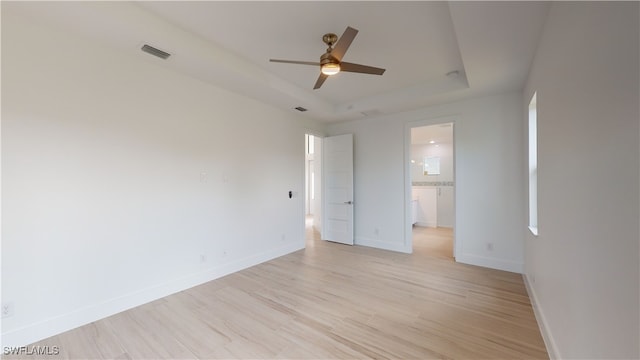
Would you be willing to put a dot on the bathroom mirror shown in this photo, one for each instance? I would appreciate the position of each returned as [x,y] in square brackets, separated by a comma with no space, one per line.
[432,165]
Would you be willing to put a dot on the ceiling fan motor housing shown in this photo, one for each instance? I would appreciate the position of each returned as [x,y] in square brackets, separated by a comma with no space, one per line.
[330,39]
[326,58]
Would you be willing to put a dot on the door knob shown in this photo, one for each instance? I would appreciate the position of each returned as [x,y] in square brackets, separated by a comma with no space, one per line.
[348,202]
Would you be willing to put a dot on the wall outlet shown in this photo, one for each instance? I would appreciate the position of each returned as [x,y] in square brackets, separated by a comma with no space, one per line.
[376,232]
[203,258]
[204,177]
[490,246]
[7,309]
[283,237]
[224,253]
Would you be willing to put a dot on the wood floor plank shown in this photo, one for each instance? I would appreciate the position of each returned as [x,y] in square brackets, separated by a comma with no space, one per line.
[141,336]
[329,301]
[308,343]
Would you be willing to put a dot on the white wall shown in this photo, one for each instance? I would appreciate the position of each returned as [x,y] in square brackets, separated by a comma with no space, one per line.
[124,182]
[489,181]
[582,270]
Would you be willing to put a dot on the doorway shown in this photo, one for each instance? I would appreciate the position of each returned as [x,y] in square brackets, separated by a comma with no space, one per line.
[313,187]
[431,185]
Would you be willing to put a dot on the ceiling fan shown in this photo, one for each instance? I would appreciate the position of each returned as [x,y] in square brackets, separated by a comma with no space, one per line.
[331,61]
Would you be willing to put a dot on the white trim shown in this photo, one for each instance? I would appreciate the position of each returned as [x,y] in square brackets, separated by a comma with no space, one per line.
[534,230]
[431,224]
[492,263]
[362,241]
[532,150]
[549,343]
[59,324]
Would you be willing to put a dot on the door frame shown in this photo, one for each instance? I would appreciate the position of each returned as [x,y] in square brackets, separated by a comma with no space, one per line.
[408,233]
[318,180]
[307,175]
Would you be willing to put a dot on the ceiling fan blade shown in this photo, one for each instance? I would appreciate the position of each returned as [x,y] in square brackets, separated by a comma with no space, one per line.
[320,81]
[296,62]
[343,43]
[358,68]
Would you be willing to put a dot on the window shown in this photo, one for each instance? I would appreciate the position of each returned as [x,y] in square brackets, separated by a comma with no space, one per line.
[533,165]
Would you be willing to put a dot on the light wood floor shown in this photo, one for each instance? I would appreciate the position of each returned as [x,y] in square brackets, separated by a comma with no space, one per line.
[328,301]
[433,242]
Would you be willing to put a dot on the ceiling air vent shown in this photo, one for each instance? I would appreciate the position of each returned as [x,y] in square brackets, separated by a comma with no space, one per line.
[155,52]
[300,108]
[373,112]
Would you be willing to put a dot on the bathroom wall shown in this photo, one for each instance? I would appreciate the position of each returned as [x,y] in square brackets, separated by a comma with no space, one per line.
[420,151]
[442,183]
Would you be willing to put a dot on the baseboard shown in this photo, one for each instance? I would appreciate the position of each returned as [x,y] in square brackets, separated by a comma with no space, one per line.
[549,343]
[427,224]
[492,263]
[59,324]
[399,247]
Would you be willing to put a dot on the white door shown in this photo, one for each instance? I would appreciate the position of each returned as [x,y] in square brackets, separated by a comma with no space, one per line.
[337,156]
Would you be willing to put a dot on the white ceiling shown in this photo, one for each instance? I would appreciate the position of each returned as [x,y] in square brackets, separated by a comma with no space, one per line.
[439,134]
[490,44]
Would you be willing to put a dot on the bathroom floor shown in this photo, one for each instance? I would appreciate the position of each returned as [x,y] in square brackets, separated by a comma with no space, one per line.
[433,242]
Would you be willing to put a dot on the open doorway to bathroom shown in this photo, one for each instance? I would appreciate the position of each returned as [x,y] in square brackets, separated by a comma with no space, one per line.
[432,190]
[313,188]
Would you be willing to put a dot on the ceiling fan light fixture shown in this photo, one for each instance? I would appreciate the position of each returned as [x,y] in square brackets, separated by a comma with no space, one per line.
[331,61]
[330,69]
